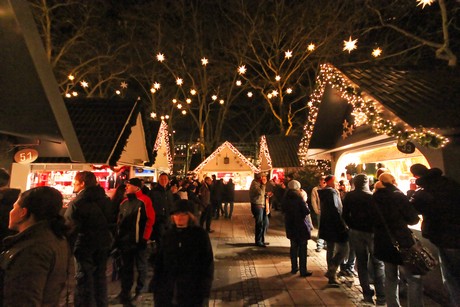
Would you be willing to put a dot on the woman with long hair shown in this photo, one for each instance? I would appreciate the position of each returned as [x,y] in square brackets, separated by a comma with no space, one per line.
[35,262]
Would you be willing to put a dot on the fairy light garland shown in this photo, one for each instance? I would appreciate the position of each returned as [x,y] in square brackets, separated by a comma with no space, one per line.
[264,151]
[364,112]
[163,137]
[219,150]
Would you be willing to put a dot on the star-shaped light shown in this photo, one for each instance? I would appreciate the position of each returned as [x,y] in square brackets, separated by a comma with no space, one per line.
[152,90]
[376,52]
[193,92]
[349,45]
[153,115]
[75,94]
[311,47]
[275,93]
[269,96]
[238,82]
[278,77]
[68,95]
[214,97]
[249,94]
[350,130]
[71,77]
[289,90]
[204,61]
[156,85]
[288,54]
[344,135]
[188,100]
[242,69]
[118,92]
[84,83]
[179,106]
[184,112]
[179,81]
[174,100]
[124,84]
[424,2]
[345,124]
[160,57]
[221,101]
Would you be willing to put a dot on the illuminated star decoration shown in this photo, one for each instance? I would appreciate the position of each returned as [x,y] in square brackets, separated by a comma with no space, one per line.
[179,81]
[424,2]
[349,45]
[347,129]
[288,54]
[153,115]
[289,90]
[156,85]
[71,77]
[204,61]
[160,57]
[84,83]
[124,85]
[242,70]
[311,47]
[249,94]
[277,78]
[376,52]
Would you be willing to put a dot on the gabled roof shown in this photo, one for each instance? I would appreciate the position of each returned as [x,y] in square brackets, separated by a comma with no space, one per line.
[279,151]
[103,126]
[236,162]
[161,147]
[430,98]
[32,107]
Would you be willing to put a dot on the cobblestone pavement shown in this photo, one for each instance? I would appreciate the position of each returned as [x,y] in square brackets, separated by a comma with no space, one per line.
[246,275]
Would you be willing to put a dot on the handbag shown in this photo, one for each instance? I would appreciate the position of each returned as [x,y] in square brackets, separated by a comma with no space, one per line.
[417,258]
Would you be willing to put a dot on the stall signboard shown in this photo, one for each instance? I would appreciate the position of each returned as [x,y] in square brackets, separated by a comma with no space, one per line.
[25,156]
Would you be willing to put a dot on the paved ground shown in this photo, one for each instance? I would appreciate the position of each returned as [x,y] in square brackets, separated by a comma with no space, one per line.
[246,275]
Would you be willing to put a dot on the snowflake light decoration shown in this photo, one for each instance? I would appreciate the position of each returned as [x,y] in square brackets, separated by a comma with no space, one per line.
[424,2]
[160,57]
[288,54]
[349,45]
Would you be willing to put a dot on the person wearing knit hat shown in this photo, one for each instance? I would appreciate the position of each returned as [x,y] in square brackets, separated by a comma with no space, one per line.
[358,214]
[332,229]
[184,265]
[298,227]
[135,181]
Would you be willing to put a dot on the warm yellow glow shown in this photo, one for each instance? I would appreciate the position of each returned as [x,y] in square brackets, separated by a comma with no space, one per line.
[269,96]
[179,106]
[221,101]
[278,77]
[424,2]
[184,112]
[152,90]
[156,85]
[162,117]
[289,90]
[376,52]
[75,94]
[153,115]
[193,92]
[68,95]
[249,94]
[71,77]
[124,84]
[188,100]
[204,61]
[167,116]
[349,45]
[84,83]
[242,70]
[179,81]
[174,100]
[288,54]
[238,82]
[311,47]
[214,97]
[160,57]
[117,92]
[275,93]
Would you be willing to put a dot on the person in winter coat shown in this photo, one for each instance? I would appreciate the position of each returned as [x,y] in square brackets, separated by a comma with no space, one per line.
[8,197]
[35,264]
[358,214]
[206,205]
[392,207]
[259,208]
[135,221]
[184,267]
[89,215]
[438,200]
[298,228]
[332,228]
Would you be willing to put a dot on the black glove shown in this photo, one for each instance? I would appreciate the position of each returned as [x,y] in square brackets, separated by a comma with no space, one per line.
[142,244]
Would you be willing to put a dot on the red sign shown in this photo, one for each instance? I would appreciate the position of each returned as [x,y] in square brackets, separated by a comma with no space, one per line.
[25,156]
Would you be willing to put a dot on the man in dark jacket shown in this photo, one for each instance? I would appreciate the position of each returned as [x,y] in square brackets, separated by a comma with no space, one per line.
[162,200]
[358,214]
[332,228]
[134,230]
[88,215]
[438,200]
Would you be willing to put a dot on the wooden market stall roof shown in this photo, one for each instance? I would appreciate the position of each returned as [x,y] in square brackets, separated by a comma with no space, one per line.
[225,158]
[278,151]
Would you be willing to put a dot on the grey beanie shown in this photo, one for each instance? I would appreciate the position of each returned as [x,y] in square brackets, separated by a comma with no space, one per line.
[294,185]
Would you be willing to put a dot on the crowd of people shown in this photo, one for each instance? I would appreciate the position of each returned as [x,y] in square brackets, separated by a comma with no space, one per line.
[167,226]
